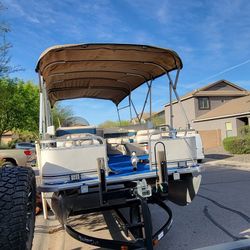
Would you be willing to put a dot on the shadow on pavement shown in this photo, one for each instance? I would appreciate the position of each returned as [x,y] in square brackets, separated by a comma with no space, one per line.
[217,156]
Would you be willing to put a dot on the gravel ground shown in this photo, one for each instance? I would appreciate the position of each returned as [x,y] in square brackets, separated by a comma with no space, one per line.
[241,158]
[220,154]
[217,150]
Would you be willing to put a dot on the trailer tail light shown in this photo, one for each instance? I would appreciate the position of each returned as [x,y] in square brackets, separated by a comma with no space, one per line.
[155,242]
[124,247]
[27,152]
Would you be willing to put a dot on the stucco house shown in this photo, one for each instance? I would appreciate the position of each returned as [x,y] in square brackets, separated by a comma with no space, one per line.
[216,111]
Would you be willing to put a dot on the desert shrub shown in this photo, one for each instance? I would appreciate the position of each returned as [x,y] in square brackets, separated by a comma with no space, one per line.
[245,130]
[237,144]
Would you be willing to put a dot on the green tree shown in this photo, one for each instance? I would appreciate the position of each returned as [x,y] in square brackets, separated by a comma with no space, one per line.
[60,113]
[27,98]
[8,116]
[18,106]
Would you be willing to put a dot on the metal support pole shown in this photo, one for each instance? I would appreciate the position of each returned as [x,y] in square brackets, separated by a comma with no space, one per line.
[41,106]
[50,114]
[171,106]
[137,115]
[118,113]
[146,99]
[123,107]
[42,134]
[43,119]
[178,99]
[130,110]
[174,89]
[176,78]
[46,108]
[40,81]
[42,111]
[150,101]
[40,115]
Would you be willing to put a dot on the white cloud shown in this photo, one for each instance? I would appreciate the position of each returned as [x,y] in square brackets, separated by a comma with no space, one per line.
[33,12]
[16,8]
[162,13]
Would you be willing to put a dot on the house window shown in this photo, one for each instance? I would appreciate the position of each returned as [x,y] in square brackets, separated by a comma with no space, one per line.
[229,129]
[204,103]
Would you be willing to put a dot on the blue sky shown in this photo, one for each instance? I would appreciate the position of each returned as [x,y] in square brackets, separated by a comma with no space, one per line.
[210,37]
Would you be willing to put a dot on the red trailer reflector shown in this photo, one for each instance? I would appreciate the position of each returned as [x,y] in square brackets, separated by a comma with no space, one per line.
[124,247]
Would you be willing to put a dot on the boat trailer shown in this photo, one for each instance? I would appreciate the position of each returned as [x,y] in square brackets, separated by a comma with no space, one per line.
[80,170]
[135,197]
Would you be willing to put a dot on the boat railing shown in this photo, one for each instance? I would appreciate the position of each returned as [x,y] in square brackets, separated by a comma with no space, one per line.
[71,140]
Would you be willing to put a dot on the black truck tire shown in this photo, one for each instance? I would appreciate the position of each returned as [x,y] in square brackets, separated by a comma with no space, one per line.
[17,207]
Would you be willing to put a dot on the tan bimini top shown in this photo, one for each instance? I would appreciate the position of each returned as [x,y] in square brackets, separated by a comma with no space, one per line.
[102,71]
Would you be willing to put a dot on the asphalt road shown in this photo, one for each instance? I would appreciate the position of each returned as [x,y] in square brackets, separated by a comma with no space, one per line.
[220,213]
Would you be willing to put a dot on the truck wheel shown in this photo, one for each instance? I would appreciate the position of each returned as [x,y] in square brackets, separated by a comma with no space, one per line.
[17,207]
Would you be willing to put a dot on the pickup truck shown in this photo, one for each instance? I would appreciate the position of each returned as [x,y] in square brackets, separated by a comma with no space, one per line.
[17,157]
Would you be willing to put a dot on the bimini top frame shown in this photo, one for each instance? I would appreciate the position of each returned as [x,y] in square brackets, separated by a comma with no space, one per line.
[102,71]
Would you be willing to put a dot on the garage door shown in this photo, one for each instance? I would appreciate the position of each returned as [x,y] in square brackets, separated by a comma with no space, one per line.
[210,138]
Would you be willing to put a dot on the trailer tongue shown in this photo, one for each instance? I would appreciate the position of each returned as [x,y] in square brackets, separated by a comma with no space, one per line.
[82,173]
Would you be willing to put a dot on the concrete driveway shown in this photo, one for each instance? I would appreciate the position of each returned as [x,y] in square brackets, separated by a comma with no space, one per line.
[220,213]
